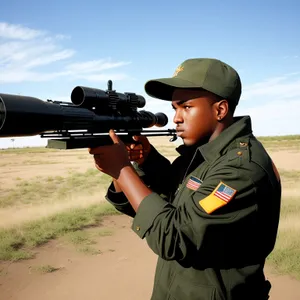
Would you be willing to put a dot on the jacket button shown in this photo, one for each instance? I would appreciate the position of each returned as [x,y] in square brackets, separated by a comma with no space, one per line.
[240,153]
[242,144]
[138,228]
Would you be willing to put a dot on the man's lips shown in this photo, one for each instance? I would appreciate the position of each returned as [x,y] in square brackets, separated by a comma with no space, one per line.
[179,132]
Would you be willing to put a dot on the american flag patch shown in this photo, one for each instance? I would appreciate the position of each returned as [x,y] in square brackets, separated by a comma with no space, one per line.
[193,183]
[224,192]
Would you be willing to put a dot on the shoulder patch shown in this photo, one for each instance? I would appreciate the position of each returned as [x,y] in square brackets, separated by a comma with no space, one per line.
[194,183]
[220,196]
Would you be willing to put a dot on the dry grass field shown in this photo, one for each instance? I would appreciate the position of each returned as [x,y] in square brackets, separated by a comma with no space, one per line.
[52,196]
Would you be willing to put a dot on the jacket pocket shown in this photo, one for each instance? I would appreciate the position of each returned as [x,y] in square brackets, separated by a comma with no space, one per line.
[182,289]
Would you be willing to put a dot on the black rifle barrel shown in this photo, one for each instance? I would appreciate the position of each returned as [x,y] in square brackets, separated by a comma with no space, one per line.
[27,116]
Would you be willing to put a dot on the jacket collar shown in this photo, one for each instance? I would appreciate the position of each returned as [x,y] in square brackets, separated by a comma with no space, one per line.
[210,151]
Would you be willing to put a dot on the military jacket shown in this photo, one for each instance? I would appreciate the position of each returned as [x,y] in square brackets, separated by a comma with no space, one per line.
[212,217]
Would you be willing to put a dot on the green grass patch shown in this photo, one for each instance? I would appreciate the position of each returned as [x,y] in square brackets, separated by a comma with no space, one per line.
[291,175]
[89,250]
[30,162]
[290,206]
[84,240]
[81,237]
[275,145]
[290,142]
[26,150]
[44,269]
[295,137]
[286,255]
[53,188]
[104,232]
[18,243]
[3,272]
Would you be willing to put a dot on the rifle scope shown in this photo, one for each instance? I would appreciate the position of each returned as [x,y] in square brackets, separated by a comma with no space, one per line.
[26,116]
[108,100]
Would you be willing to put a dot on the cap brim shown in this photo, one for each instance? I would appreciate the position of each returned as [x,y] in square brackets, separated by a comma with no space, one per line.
[163,88]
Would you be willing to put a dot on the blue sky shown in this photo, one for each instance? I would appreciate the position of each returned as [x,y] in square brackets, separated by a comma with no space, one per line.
[48,49]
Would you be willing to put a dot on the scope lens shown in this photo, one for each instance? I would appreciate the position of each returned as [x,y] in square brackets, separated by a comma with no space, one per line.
[2,113]
[141,101]
[77,95]
[162,119]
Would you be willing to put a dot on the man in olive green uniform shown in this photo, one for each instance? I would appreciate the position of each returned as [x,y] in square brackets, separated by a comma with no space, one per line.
[212,215]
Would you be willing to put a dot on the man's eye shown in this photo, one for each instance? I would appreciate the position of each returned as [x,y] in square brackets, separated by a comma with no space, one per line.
[187,107]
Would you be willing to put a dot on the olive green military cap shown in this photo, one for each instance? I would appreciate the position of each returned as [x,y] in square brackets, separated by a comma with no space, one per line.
[209,74]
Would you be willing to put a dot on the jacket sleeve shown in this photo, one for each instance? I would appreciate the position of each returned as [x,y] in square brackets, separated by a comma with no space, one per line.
[219,221]
[153,173]
[119,201]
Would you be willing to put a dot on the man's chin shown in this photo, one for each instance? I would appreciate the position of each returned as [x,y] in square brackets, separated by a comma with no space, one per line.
[187,142]
[193,143]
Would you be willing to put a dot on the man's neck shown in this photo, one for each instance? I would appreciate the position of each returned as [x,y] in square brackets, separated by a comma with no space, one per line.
[221,127]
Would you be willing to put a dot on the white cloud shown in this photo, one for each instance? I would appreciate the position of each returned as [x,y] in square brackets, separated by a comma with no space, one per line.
[279,117]
[25,55]
[291,57]
[273,105]
[16,31]
[287,86]
[94,70]
[49,58]
[62,37]
[94,66]
[103,77]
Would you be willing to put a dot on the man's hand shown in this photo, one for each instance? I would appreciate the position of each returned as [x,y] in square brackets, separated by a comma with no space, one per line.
[114,161]
[111,159]
[139,152]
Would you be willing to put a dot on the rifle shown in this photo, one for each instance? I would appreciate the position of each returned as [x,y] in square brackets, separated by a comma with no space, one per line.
[85,122]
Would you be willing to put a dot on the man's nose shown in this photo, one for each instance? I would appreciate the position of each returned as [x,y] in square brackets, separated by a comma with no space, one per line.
[178,117]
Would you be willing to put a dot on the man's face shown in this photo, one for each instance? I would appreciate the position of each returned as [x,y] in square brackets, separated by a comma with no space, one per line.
[195,115]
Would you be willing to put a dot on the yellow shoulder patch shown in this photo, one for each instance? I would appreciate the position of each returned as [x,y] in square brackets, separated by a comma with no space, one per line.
[220,196]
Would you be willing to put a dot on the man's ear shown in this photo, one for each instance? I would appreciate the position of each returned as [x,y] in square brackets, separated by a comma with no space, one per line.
[222,109]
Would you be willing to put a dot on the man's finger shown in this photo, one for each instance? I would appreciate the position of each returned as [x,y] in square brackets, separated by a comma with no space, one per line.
[114,137]
[100,149]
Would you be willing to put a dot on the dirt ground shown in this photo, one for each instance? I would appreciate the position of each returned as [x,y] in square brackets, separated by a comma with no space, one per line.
[124,270]
[125,267]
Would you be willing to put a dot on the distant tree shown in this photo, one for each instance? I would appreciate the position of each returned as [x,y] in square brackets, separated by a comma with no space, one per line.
[13,142]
